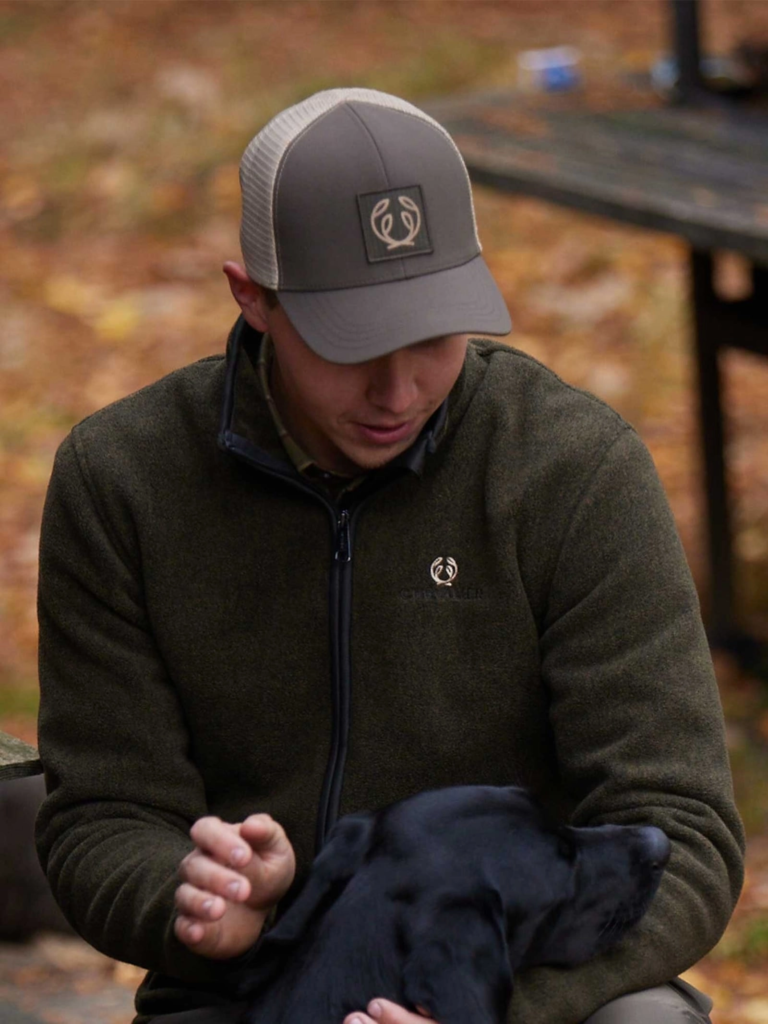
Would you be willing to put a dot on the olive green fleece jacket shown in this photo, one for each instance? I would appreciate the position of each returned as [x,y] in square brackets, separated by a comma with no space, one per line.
[216,638]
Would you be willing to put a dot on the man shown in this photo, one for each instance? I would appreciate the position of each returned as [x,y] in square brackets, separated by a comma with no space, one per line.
[413,560]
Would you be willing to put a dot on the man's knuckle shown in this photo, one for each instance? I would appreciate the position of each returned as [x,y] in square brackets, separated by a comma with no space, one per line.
[182,895]
[203,826]
[191,863]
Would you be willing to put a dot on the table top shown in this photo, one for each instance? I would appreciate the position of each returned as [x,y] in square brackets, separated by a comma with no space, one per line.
[17,758]
[698,173]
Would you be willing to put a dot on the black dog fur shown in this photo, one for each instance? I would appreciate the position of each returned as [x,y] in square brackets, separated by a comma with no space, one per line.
[437,900]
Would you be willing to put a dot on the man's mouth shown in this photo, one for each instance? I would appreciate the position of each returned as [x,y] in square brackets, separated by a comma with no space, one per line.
[385,434]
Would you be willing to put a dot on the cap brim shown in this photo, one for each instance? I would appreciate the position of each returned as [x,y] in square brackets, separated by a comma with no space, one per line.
[356,324]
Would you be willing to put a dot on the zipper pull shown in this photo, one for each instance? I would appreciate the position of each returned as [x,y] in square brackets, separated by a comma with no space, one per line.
[344,550]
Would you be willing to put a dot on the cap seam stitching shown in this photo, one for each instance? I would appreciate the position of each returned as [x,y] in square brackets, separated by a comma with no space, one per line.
[278,177]
[369,133]
[385,170]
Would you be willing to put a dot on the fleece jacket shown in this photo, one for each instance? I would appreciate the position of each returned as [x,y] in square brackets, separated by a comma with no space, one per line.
[507,603]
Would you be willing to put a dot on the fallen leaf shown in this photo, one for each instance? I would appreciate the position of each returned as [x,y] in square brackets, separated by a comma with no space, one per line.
[67,293]
[118,319]
[755,1011]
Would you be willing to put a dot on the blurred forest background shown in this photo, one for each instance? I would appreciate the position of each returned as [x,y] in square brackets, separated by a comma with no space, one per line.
[121,127]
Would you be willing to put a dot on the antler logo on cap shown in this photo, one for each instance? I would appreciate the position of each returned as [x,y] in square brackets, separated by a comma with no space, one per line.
[382,222]
[393,223]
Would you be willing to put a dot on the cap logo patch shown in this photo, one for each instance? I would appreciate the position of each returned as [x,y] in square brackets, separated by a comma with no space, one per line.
[393,223]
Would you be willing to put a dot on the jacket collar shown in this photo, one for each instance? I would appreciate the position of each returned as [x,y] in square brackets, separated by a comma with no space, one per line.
[247,428]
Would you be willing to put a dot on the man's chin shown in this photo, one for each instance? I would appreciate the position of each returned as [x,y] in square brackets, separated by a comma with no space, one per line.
[365,459]
[365,452]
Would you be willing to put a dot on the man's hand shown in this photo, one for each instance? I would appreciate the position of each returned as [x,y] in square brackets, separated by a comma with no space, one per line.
[382,1011]
[229,882]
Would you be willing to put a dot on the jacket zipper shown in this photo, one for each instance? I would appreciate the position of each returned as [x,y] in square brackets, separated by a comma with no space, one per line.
[340,608]
[340,630]
[344,548]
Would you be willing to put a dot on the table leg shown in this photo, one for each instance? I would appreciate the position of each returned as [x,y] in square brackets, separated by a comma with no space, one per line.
[708,325]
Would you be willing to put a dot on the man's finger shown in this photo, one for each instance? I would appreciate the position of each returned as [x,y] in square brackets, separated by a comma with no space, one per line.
[189,930]
[205,873]
[221,841]
[197,903]
[263,833]
[385,1012]
[382,1011]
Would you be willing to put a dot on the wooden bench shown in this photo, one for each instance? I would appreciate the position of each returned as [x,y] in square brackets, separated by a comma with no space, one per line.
[17,758]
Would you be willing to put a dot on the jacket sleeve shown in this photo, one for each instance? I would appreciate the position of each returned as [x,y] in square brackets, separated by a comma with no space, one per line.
[122,789]
[638,728]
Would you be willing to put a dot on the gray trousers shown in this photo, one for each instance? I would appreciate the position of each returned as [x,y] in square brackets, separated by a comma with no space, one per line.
[677,1002]
[674,1003]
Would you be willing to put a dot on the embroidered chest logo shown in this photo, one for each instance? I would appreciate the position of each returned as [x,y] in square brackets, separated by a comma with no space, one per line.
[394,223]
[444,575]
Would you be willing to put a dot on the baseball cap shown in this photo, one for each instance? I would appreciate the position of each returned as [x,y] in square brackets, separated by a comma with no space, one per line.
[357,211]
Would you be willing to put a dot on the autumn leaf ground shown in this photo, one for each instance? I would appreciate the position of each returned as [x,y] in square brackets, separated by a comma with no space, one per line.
[123,123]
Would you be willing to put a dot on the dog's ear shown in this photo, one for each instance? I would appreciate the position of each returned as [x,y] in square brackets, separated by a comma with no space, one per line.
[343,853]
[458,966]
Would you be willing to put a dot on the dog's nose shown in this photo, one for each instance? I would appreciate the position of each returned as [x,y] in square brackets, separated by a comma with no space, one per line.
[657,846]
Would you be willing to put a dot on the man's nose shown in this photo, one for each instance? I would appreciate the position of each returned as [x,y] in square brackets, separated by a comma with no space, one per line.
[392,383]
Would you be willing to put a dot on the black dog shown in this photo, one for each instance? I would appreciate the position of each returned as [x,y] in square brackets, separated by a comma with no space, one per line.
[435,901]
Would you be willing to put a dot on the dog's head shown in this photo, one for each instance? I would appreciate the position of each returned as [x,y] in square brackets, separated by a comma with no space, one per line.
[511,889]
[616,871]
[480,884]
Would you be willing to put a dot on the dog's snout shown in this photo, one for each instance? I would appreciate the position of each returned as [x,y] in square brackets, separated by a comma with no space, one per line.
[657,847]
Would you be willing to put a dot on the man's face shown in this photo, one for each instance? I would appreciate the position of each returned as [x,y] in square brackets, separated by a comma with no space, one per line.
[359,416]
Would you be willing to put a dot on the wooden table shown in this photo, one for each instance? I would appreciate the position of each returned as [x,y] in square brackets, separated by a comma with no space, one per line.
[699,173]
[17,758]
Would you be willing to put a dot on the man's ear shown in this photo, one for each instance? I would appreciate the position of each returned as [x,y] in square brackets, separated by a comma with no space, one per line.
[248,295]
